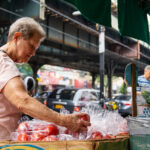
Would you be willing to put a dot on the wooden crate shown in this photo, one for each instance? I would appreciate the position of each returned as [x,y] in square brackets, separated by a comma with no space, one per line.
[113,144]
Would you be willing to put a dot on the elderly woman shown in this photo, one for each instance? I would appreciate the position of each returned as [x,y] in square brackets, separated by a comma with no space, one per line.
[25,36]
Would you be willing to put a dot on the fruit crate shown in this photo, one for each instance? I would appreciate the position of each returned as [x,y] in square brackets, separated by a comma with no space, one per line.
[140,142]
[139,133]
[114,144]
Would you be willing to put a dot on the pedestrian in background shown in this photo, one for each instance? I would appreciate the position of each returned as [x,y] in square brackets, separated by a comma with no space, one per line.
[144,80]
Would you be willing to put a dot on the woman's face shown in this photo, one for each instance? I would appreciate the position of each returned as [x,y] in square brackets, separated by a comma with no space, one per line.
[25,49]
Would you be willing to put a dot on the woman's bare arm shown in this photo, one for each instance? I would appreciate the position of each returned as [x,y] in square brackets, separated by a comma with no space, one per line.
[15,92]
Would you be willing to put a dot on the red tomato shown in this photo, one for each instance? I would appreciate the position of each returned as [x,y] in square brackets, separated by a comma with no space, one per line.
[67,131]
[74,134]
[107,136]
[37,136]
[23,127]
[125,133]
[96,135]
[39,127]
[23,137]
[52,129]
[85,117]
[50,138]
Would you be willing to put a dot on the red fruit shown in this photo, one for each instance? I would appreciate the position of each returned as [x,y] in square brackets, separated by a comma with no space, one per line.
[50,138]
[52,129]
[39,127]
[96,135]
[67,131]
[23,137]
[23,127]
[125,133]
[107,136]
[37,136]
[74,134]
[85,117]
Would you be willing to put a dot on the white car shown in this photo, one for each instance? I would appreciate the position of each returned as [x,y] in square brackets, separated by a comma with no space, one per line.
[72,99]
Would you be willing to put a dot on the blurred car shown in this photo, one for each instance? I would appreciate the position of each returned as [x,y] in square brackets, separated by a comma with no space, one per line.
[42,97]
[111,105]
[72,99]
[125,104]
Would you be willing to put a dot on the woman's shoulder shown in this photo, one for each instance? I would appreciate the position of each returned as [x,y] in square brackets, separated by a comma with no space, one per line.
[7,65]
[5,59]
[2,54]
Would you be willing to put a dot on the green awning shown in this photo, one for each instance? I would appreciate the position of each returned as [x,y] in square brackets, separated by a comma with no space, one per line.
[132,15]
[95,10]
[132,20]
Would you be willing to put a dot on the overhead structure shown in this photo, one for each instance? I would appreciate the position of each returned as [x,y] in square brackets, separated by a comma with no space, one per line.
[72,41]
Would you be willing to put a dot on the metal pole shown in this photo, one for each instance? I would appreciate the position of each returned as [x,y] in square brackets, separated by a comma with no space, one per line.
[133,83]
[101,59]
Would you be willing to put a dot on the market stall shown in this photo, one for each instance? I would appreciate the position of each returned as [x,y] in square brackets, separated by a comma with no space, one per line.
[108,130]
[139,123]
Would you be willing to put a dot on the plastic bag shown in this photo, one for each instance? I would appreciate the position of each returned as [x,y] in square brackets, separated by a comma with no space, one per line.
[36,130]
[104,125]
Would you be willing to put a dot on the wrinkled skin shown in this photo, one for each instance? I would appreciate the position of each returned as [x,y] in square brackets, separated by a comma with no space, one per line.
[20,50]
[76,124]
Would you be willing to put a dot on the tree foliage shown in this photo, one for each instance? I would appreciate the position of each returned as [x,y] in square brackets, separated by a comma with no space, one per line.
[123,89]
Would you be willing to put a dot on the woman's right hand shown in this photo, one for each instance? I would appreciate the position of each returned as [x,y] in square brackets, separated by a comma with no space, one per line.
[75,123]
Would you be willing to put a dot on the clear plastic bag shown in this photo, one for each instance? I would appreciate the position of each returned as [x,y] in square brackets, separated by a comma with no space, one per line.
[36,130]
[104,125]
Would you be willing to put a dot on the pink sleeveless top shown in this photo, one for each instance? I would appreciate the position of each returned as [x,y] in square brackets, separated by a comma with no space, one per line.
[9,114]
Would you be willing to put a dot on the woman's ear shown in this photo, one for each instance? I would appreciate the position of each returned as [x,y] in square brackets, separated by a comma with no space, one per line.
[17,35]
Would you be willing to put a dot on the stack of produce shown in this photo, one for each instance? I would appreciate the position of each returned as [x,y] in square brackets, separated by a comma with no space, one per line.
[37,130]
[104,125]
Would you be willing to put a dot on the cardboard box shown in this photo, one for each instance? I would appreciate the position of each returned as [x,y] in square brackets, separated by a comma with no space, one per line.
[114,144]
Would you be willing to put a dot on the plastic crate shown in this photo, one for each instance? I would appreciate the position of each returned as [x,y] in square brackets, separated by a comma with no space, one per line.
[140,142]
[139,133]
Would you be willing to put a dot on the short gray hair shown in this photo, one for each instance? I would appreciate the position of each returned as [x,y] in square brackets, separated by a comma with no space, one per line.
[28,27]
[147,68]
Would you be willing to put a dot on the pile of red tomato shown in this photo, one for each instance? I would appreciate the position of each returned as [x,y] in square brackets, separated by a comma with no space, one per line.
[97,135]
[39,131]
[26,132]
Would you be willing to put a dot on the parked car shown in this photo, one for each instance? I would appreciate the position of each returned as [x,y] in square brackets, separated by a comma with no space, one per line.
[111,105]
[72,99]
[125,104]
[42,97]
